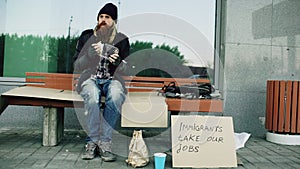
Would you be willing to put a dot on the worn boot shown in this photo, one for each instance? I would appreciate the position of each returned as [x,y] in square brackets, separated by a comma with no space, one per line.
[90,152]
[105,151]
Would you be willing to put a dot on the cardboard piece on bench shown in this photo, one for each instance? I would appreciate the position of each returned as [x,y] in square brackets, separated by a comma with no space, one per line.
[144,109]
[203,142]
[44,93]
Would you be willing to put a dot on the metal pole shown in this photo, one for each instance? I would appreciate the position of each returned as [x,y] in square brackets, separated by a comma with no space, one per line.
[119,9]
[68,47]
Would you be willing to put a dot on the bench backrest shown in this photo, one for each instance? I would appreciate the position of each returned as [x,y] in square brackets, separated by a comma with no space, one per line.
[133,83]
[147,84]
[51,80]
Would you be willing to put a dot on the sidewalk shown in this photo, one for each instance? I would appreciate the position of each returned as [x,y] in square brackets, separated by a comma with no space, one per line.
[21,148]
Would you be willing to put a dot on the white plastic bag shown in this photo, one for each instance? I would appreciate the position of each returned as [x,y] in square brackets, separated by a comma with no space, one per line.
[138,152]
[241,139]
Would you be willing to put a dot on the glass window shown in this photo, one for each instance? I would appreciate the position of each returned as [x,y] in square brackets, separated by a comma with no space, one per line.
[41,36]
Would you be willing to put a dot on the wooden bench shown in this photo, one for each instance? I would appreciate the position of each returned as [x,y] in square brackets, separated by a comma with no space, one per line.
[55,91]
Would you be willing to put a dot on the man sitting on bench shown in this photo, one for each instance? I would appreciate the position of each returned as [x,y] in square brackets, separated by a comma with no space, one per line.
[98,54]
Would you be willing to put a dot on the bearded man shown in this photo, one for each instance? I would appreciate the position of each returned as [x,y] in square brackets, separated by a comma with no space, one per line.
[98,56]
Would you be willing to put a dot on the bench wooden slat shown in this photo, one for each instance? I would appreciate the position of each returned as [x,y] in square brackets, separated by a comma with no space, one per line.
[204,105]
[139,84]
[141,90]
[44,74]
[64,83]
[165,80]
[35,80]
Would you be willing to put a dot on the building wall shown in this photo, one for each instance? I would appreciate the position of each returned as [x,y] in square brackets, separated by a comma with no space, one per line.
[261,41]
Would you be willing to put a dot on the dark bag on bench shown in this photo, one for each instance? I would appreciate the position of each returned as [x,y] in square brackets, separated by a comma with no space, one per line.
[189,91]
[170,90]
[200,90]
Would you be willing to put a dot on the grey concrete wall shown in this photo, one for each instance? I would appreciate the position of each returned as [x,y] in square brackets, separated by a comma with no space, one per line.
[261,42]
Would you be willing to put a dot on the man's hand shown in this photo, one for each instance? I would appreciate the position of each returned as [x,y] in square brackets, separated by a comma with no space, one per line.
[112,58]
[95,49]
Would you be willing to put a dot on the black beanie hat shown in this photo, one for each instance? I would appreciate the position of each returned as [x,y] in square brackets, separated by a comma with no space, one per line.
[109,9]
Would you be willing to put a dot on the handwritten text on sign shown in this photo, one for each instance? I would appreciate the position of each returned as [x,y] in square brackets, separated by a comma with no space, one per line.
[203,141]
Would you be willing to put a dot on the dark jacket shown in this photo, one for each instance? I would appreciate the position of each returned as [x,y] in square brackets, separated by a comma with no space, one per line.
[87,65]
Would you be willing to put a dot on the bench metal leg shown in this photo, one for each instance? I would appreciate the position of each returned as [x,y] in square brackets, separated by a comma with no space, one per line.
[53,127]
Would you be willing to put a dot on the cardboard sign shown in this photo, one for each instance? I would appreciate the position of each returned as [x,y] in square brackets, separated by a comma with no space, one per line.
[144,109]
[203,141]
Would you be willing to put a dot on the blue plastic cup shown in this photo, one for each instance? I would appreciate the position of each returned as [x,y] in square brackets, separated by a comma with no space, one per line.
[159,160]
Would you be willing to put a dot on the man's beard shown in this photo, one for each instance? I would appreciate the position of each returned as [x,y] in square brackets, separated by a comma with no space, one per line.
[103,31]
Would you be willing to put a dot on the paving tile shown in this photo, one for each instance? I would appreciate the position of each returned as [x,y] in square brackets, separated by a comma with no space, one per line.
[21,148]
[40,163]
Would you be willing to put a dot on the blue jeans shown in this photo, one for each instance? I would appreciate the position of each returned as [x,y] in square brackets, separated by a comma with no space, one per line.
[100,125]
